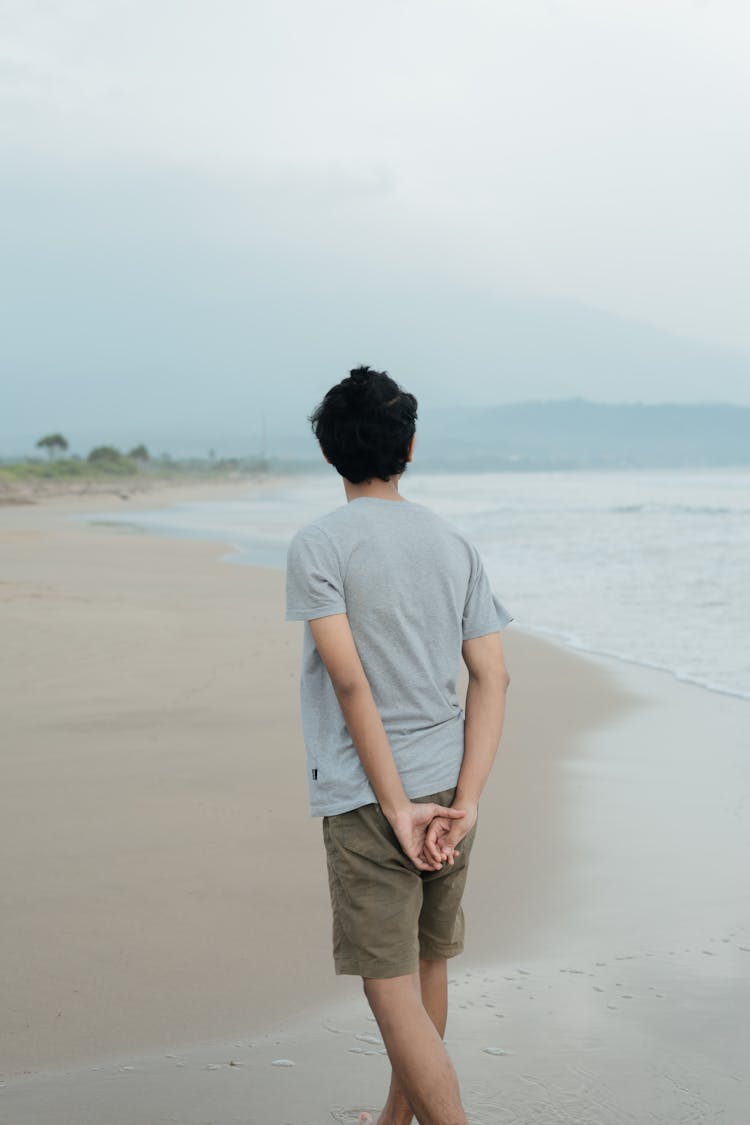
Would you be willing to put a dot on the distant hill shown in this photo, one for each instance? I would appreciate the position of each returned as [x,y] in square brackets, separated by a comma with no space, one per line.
[555,434]
[576,433]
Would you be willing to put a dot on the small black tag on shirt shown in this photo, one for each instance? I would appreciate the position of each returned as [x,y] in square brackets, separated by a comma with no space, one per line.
[315,775]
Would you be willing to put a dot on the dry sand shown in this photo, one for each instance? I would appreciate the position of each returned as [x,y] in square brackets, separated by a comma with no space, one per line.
[165,908]
[143,489]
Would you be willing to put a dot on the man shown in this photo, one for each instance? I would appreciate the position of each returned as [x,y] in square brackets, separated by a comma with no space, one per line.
[392,596]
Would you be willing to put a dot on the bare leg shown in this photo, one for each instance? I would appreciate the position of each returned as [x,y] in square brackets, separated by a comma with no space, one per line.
[411,1012]
[433,979]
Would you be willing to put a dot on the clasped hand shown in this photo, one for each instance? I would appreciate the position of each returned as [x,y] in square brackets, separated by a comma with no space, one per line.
[429,833]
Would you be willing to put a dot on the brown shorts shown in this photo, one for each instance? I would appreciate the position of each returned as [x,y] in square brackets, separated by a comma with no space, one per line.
[386,913]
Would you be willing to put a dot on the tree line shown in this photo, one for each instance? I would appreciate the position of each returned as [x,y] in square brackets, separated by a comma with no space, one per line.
[57,443]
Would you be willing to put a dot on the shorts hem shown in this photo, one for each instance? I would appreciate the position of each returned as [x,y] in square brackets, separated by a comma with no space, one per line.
[440,953]
[377,970]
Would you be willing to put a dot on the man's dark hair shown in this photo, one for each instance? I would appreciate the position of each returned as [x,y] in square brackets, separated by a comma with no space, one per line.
[364,425]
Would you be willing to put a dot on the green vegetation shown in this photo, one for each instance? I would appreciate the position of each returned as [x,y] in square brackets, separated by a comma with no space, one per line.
[110,460]
[52,443]
[106,461]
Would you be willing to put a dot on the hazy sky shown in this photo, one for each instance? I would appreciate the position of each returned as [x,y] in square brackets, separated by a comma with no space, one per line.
[212,210]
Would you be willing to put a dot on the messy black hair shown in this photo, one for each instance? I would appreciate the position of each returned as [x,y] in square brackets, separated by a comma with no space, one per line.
[364,425]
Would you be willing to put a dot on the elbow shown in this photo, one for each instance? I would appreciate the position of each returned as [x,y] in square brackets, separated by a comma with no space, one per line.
[348,687]
[492,679]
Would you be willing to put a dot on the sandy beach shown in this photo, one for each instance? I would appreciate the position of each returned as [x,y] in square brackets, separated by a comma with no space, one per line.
[165,934]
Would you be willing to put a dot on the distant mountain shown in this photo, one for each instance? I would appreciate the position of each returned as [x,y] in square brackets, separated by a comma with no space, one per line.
[243,382]
[576,433]
[555,434]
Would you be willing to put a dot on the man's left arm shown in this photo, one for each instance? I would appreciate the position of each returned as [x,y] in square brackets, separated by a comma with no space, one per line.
[335,644]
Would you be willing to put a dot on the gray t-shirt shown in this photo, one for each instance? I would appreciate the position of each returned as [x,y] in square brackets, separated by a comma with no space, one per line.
[413,588]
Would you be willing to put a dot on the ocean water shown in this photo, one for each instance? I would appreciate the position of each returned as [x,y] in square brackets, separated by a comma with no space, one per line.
[650,566]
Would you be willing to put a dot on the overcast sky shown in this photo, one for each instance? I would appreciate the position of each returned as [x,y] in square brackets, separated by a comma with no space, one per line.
[211,211]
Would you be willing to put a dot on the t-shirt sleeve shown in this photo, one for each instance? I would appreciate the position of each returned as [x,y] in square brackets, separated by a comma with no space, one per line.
[314,587]
[483,612]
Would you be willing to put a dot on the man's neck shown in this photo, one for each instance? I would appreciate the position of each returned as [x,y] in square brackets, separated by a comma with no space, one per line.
[375,488]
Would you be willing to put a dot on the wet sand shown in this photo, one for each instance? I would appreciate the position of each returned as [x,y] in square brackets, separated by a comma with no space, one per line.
[165,904]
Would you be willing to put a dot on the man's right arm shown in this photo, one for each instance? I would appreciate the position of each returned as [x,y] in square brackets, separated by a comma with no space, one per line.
[483,728]
[485,714]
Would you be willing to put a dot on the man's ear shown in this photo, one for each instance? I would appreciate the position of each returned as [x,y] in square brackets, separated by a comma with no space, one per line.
[410,452]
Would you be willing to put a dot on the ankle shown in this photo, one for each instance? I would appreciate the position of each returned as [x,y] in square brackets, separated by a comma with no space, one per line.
[395,1114]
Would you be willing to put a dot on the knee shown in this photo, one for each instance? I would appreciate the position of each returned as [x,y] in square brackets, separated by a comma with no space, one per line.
[384,990]
[433,966]
[372,988]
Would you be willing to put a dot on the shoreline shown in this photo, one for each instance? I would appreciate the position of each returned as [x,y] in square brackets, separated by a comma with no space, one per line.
[208,492]
[159,892]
